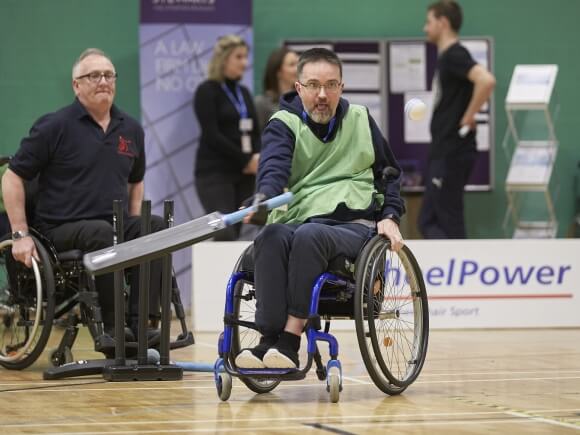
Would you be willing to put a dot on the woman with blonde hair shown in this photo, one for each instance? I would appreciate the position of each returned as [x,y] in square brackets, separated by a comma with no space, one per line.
[229,146]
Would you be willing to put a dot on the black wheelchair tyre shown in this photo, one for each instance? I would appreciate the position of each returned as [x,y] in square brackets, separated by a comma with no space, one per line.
[391,315]
[245,309]
[22,340]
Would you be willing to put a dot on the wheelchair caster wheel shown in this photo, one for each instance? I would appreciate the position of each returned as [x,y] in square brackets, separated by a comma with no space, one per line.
[57,359]
[333,383]
[224,386]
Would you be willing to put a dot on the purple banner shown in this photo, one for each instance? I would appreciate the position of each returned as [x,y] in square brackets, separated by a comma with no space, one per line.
[174,56]
[197,11]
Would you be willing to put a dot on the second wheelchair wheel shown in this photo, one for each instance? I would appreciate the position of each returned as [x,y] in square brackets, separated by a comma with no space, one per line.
[391,315]
[27,304]
[245,309]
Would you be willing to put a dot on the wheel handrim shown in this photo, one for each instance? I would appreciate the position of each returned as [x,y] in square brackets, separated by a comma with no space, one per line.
[395,322]
[32,332]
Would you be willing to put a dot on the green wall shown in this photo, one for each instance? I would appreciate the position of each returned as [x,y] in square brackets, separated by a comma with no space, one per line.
[39,40]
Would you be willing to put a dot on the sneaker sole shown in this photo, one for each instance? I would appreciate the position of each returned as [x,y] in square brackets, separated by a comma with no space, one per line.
[247,360]
[276,360]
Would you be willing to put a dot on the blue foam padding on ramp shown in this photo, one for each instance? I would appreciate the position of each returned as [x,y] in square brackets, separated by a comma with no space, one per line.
[194,366]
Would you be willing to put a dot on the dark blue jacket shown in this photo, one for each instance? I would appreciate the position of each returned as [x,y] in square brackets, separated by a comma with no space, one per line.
[278,148]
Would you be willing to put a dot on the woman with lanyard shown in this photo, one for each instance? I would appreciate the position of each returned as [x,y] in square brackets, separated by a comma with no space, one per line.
[228,153]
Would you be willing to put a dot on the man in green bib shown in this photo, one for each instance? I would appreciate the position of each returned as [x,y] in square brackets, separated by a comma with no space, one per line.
[332,156]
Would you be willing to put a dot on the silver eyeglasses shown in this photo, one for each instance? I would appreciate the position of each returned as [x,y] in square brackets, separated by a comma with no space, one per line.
[314,87]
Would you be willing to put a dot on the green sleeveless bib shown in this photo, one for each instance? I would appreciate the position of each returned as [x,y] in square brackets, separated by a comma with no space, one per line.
[325,174]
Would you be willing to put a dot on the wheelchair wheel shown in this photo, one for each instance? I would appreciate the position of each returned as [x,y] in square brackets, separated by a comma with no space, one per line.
[57,359]
[27,304]
[245,309]
[224,386]
[391,315]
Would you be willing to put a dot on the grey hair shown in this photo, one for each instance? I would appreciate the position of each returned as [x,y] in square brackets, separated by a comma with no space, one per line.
[88,52]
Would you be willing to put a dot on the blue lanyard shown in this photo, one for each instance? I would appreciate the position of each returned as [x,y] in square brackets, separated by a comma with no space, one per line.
[330,125]
[238,103]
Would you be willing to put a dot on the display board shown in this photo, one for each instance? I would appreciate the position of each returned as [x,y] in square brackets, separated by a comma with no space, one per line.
[531,85]
[383,74]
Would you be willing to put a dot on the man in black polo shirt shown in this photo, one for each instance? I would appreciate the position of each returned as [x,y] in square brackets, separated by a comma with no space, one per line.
[461,88]
[85,156]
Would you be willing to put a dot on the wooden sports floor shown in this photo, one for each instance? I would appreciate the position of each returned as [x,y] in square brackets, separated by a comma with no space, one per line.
[473,382]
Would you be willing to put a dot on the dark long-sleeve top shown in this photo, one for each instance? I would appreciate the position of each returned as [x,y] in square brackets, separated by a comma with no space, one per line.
[220,149]
[278,148]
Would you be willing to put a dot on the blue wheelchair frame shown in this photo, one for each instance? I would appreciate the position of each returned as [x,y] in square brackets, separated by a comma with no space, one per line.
[312,334]
[391,318]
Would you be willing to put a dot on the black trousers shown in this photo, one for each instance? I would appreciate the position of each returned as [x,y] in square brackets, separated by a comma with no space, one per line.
[217,193]
[287,261]
[442,211]
[92,235]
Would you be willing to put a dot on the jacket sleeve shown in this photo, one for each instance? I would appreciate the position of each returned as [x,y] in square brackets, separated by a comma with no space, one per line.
[388,184]
[275,159]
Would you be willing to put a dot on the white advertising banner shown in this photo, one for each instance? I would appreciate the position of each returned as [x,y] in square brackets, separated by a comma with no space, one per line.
[470,283]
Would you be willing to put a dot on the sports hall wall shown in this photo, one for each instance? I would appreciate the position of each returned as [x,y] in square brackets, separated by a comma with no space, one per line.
[40,39]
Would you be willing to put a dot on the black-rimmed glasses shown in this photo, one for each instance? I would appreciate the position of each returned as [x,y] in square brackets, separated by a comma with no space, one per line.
[95,76]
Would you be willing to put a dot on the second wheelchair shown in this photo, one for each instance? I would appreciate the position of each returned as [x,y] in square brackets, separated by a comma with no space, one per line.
[33,300]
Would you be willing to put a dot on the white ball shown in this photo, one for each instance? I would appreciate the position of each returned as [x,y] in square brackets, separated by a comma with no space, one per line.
[415,109]
[153,356]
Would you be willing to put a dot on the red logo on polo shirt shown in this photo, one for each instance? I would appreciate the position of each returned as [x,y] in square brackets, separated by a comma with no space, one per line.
[124,148]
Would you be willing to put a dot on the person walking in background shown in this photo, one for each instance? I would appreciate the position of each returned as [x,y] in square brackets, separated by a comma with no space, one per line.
[228,153]
[461,88]
[279,77]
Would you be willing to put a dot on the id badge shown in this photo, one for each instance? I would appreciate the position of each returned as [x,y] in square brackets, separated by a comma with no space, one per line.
[246,125]
[246,144]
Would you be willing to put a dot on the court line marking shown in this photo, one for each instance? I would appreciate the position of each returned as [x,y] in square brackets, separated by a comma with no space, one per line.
[334,419]
[456,374]
[270,429]
[287,385]
[209,376]
[326,428]
[355,380]
[544,420]
[558,421]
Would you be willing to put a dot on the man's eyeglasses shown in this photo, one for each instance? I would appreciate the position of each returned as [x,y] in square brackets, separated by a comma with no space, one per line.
[95,76]
[315,87]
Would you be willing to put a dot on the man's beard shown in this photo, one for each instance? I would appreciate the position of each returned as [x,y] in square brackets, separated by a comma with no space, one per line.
[320,117]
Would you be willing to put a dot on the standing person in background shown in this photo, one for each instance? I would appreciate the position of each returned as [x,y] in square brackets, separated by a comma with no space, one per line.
[279,77]
[461,88]
[227,158]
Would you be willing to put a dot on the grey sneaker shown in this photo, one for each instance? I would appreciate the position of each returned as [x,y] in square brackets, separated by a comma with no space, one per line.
[251,358]
[284,354]
[281,359]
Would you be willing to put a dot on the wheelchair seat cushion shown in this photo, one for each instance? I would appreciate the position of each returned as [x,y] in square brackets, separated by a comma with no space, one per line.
[72,255]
